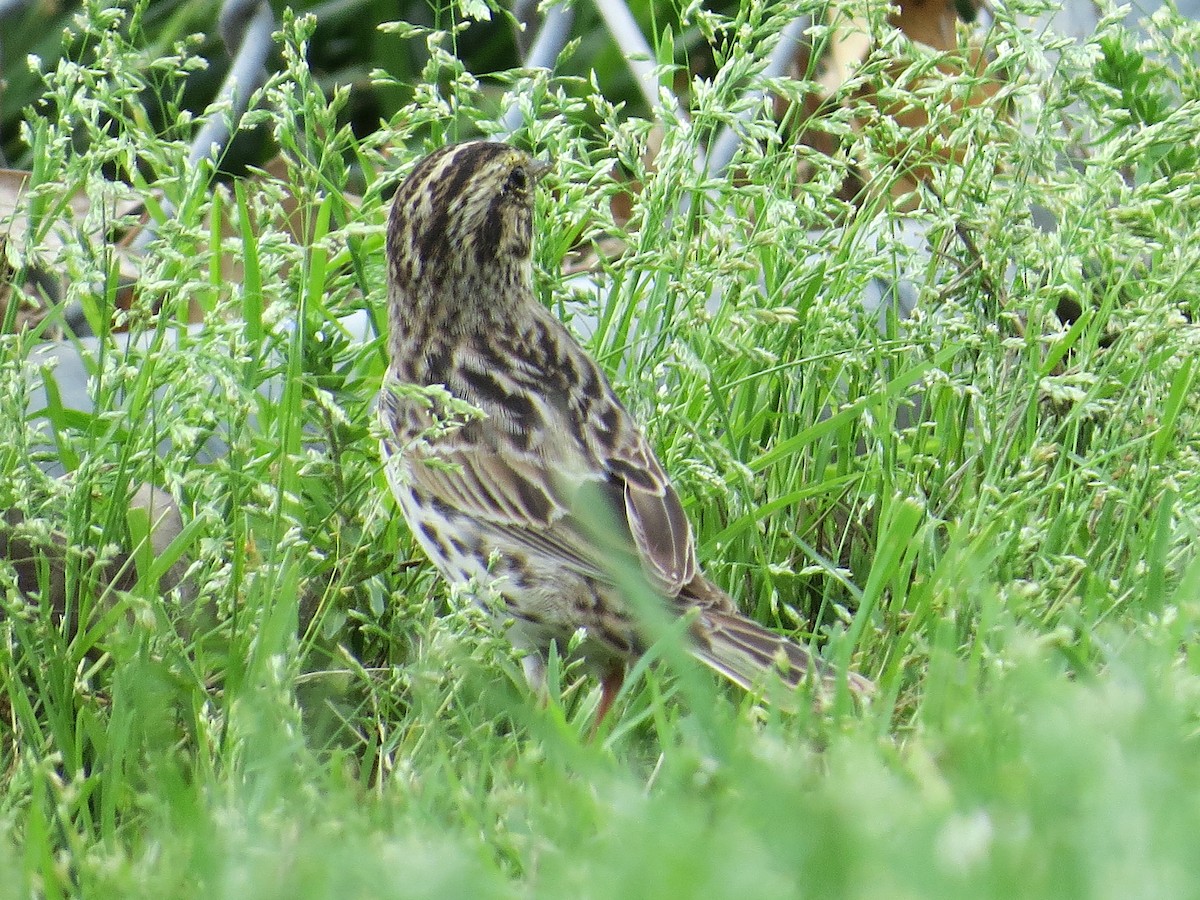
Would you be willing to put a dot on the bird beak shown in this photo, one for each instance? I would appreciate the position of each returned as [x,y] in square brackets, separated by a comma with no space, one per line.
[537,168]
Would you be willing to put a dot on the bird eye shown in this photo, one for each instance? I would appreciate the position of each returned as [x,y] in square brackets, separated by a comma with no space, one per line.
[518,178]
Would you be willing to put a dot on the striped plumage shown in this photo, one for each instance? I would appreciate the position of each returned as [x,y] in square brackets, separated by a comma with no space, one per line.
[515,500]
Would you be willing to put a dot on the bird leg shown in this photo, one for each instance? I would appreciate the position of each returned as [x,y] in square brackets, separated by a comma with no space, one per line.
[610,686]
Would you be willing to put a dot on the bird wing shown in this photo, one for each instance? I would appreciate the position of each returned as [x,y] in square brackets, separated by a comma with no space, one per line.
[511,496]
[653,513]
[590,504]
[544,499]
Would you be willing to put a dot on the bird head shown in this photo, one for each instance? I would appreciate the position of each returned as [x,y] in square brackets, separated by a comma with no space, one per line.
[464,216]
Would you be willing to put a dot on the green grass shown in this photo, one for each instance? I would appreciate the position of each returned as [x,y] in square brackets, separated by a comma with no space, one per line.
[1014,565]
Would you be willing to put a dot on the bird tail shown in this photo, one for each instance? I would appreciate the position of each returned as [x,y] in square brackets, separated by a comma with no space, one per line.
[745,653]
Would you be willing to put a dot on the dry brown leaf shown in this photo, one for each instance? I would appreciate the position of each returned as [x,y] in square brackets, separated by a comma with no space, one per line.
[41,265]
[41,561]
[287,217]
[925,148]
[929,22]
[622,203]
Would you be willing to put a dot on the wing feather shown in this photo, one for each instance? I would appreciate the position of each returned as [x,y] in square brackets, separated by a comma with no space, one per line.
[589,498]
[507,495]
[653,513]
